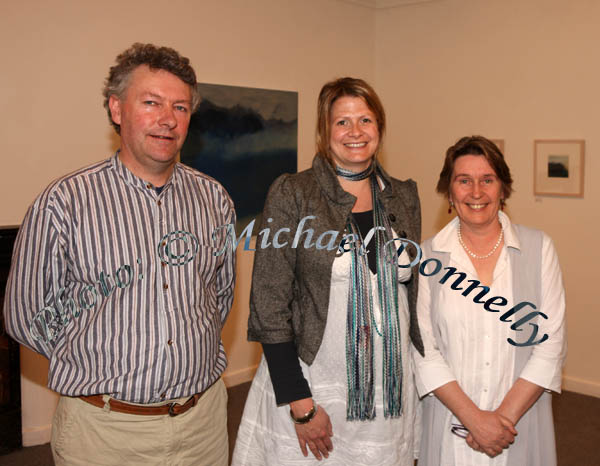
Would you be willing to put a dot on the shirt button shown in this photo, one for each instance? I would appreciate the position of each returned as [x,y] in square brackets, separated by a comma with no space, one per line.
[165,286]
[487,363]
[149,186]
[163,396]
[485,390]
[170,342]
[159,202]
[164,264]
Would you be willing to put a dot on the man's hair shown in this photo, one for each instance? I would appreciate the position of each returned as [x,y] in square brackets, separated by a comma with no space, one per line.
[475,145]
[333,90]
[156,58]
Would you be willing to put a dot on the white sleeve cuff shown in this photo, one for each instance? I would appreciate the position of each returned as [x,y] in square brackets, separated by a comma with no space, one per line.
[546,374]
[431,373]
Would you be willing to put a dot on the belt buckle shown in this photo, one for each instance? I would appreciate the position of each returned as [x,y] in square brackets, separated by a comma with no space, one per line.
[192,398]
[171,412]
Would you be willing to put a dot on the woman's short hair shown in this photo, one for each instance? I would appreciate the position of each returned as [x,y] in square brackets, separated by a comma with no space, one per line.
[157,58]
[475,145]
[333,90]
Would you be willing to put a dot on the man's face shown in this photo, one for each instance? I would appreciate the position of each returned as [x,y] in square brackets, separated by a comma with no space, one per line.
[154,115]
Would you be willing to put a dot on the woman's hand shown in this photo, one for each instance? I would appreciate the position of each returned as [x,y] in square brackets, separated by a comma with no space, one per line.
[491,433]
[472,443]
[316,433]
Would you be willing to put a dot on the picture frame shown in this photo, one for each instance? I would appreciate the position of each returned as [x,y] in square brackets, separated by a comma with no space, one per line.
[558,167]
[244,137]
[500,144]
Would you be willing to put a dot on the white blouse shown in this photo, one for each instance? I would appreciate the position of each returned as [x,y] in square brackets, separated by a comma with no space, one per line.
[473,347]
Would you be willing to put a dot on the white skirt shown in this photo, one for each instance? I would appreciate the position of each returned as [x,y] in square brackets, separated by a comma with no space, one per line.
[267,436]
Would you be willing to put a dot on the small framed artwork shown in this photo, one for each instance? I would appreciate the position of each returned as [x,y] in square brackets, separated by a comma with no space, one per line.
[558,167]
[500,144]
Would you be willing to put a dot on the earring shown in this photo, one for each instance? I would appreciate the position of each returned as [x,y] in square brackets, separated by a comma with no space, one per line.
[450,205]
[502,203]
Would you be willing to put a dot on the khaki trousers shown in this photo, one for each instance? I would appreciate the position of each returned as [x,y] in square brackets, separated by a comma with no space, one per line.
[85,435]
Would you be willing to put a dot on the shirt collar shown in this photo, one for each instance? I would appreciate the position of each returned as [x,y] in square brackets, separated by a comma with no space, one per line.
[447,239]
[138,182]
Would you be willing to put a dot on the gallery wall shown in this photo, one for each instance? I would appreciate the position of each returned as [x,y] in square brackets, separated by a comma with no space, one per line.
[512,70]
[444,68]
[56,55]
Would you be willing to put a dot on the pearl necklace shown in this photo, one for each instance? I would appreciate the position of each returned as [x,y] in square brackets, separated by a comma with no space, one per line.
[471,253]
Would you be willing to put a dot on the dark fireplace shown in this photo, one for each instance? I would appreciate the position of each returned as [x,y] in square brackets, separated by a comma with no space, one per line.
[10,374]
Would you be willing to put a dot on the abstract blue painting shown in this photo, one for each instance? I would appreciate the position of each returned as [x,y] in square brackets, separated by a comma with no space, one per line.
[244,138]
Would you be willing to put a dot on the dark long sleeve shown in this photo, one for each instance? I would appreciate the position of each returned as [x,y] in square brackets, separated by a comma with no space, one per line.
[288,380]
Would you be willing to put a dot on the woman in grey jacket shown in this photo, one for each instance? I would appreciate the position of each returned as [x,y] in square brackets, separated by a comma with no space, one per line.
[332,304]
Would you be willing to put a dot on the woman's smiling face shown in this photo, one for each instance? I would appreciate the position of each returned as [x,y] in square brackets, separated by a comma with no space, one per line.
[476,191]
[354,135]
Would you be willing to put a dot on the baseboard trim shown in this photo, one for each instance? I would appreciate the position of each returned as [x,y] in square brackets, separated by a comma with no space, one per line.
[585,387]
[36,435]
[240,376]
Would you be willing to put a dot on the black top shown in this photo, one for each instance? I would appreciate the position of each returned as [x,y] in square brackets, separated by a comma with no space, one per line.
[288,381]
[365,223]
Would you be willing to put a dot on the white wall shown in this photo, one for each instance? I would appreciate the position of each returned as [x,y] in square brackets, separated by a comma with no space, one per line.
[510,69]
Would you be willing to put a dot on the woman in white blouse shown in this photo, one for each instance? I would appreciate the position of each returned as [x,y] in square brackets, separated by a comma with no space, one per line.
[492,317]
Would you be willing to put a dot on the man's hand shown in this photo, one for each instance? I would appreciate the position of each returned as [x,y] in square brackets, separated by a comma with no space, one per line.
[317,433]
[491,433]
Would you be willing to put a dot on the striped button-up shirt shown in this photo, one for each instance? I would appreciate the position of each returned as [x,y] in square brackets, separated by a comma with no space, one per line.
[120,286]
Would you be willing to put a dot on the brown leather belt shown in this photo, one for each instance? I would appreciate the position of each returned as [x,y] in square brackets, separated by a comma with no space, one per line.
[172,409]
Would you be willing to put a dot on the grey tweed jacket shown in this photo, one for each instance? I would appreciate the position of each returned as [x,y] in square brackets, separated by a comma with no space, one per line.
[290,286]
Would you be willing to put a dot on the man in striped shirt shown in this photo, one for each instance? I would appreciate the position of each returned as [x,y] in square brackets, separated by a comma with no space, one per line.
[115,279]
